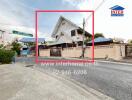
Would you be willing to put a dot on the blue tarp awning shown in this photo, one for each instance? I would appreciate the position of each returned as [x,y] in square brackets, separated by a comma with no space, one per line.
[100,40]
[29,40]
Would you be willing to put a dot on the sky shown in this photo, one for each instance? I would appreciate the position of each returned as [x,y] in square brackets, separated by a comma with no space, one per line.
[21,14]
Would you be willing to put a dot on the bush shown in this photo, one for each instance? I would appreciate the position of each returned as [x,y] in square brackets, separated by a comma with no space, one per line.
[6,56]
[16,47]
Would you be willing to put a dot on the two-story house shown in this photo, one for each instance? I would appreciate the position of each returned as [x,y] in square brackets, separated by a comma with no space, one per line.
[67,33]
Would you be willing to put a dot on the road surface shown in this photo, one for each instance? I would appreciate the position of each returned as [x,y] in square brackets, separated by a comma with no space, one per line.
[114,80]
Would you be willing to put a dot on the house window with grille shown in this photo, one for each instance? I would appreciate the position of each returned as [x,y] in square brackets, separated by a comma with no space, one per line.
[73,33]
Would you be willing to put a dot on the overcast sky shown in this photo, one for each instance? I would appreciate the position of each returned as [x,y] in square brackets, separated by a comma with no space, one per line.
[20,13]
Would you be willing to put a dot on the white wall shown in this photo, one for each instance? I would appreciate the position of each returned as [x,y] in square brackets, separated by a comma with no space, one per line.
[66,28]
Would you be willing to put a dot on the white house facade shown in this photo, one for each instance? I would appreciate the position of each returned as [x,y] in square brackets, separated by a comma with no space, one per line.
[67,32]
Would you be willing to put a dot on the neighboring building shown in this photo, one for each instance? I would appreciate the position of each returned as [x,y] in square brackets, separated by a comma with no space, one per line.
[32,40]
[28,48]
[66,32]
[118,40]
[7,36]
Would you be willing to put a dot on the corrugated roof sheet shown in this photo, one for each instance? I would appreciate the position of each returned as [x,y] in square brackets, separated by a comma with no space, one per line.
[28,40]
[101,39]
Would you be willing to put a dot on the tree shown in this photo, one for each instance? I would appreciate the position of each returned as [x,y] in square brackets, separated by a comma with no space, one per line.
[88,39]
[1,46]
[16,47]
[130,41]
[96,35]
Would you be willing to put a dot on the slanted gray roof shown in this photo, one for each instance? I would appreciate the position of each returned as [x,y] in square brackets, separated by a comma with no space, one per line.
[29,40]
[59,23]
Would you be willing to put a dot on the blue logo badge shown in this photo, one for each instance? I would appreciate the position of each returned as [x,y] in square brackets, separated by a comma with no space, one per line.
[117,11]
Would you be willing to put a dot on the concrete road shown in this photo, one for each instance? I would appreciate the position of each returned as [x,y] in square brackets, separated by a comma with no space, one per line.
[24,83]
[112,79]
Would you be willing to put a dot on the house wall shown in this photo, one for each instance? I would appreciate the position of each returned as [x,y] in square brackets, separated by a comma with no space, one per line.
[66,28]
[78,37]
[71,52]
[114,51]
[44,52]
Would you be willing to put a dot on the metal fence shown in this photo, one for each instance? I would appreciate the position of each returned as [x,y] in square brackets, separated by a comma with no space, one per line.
[55,52]
[128,50]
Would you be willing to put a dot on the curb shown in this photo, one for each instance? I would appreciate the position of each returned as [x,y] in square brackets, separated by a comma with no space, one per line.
[113,62]
[123,63]
[86,89]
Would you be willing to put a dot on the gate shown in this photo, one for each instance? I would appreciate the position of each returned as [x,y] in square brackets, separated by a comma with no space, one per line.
[55,51]
[128,50]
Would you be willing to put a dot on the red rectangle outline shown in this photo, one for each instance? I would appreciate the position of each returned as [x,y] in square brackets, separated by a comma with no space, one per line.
[63,61]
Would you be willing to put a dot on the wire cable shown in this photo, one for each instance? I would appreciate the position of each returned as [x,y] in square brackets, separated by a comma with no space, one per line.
[96,9]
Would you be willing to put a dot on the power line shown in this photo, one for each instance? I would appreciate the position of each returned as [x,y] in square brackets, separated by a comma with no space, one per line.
[96,9]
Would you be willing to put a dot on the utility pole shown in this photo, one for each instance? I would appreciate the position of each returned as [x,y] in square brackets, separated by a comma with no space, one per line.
[83,46]
[83,30]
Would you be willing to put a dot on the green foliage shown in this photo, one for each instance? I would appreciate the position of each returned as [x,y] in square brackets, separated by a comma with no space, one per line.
[88,39]
[1,46]
[16,47]
[6,56]
[96,35]
[130,42]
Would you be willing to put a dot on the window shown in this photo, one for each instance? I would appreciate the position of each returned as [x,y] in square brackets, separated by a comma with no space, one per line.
[73,33]
[80,31]
[56,36]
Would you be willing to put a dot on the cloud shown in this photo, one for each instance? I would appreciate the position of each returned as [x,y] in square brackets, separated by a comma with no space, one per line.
[104,23]
[8,30]
[18,15]
[14,13]
[86,5]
